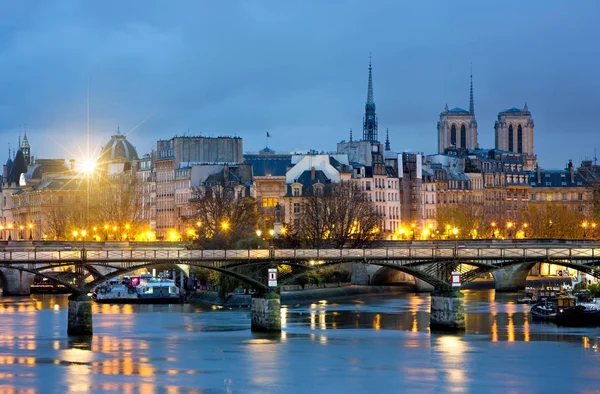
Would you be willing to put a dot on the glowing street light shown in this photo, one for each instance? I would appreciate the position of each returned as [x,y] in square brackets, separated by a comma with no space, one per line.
[225,226]
[258,233]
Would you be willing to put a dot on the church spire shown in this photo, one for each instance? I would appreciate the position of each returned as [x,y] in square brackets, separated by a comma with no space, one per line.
[370,120]
[471,101]
[350,135]
[387,139]
[370,100]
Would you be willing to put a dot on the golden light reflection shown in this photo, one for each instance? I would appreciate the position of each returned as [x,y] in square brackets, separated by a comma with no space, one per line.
[510,328]
[494,328]
[526,328]
[453,350]
[377,322]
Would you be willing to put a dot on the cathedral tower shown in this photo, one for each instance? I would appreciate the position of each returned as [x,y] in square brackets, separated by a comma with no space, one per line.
[457,127]
[514,132]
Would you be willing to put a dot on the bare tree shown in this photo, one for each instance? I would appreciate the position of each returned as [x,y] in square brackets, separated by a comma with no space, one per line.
[338,214]
[468,219]
[226,216]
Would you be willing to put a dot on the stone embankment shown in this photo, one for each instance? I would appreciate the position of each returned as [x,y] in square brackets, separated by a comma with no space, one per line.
[298,296]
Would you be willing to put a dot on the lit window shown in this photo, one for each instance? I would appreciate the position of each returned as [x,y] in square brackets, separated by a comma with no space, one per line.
[269,202]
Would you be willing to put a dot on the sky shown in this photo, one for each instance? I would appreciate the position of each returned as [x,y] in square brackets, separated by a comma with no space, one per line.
[296,69]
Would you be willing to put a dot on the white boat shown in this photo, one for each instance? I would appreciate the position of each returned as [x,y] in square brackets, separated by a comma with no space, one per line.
[145,289]
[115,292]
[158,290]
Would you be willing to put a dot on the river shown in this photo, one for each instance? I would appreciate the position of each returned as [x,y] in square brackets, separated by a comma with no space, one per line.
[376,344]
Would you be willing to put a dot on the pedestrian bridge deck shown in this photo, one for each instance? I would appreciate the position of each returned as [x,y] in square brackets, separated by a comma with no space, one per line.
[492,251]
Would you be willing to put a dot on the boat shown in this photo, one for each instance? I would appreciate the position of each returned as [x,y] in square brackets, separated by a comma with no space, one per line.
[115,291]
[527,298]
[158,290]
[578,316]
[548,309]
[144,289]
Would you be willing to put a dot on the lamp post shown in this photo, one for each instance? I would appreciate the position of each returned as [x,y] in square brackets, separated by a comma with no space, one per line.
[493,224]
[10,227]
[258,234]
[509,226]
[584,225]
[1,232]
[30,231]
[525,225]
[593,230]
[21,231]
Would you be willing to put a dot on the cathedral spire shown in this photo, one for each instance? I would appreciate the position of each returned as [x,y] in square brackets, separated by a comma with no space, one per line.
[387,139]
[471,101]
[370,120]
[370,100]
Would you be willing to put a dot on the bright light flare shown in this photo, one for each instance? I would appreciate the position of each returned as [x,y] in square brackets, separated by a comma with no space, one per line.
[88,166]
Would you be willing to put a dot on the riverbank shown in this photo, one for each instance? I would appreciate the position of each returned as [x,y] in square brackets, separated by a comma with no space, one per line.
[298,297]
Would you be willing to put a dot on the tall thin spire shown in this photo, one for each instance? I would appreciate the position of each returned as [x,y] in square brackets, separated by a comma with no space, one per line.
[387,139]
[370,100]
[350,135]
[471,101]
[370,119]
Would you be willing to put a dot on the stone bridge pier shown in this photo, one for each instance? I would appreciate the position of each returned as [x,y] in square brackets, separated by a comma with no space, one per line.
[511,278]
[16,282]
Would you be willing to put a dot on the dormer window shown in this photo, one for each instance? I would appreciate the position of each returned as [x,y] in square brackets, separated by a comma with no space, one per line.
[296,191]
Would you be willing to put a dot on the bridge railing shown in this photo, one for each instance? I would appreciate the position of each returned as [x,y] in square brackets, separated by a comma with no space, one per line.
[399,253]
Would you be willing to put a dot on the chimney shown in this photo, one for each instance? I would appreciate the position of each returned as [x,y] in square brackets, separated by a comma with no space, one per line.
[312,173]
[32,160]
[226,173]
[572,171]
[539,174]
[5,173]
[72,161]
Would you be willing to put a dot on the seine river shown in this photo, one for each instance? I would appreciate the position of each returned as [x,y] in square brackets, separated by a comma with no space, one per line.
[367,345]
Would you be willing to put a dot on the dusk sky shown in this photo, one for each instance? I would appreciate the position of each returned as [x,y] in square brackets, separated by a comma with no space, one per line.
[297,70]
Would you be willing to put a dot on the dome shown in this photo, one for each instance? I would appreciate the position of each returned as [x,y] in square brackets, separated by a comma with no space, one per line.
[118,149]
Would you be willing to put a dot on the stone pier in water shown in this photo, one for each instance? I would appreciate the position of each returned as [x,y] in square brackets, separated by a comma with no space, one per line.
[447,311]
[266,313]
[80,315]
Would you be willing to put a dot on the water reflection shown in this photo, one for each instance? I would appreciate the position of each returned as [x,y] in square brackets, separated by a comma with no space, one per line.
[338,346]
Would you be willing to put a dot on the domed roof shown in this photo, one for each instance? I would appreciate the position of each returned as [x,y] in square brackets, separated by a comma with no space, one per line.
[118,149]
[458,110]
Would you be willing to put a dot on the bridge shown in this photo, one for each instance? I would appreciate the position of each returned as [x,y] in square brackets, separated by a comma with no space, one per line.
[430,262]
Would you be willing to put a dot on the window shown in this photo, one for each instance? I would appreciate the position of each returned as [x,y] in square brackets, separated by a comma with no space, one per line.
[463,136]
[520,139]
[564,196]
[269,202]
[453,135]
[580,196]
[533,197]
[296,208]
[296,191]
[510,139]
[548,196]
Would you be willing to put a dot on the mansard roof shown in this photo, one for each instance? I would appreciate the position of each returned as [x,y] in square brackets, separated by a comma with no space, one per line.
[268,165]
[19,167]
[307,182]
[556,178]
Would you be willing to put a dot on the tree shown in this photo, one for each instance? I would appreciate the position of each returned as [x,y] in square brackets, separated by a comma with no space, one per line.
[468,219]
[340,215]
[226,217]
[552,220]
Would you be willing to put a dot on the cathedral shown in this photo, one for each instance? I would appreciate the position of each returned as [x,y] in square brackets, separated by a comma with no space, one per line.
[457,127]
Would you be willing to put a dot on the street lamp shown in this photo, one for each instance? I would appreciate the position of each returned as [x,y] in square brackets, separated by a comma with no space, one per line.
[30,231]
[525,225]
[493,229]
[508,229]
[584,225]
[21,231]
[10,227]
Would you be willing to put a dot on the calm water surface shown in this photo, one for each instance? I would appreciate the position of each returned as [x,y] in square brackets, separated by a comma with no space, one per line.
[368,345]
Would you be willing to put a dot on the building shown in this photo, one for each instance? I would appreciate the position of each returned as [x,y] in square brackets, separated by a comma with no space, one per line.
[457,128]
[269,178]
[178,154]
[514,133]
